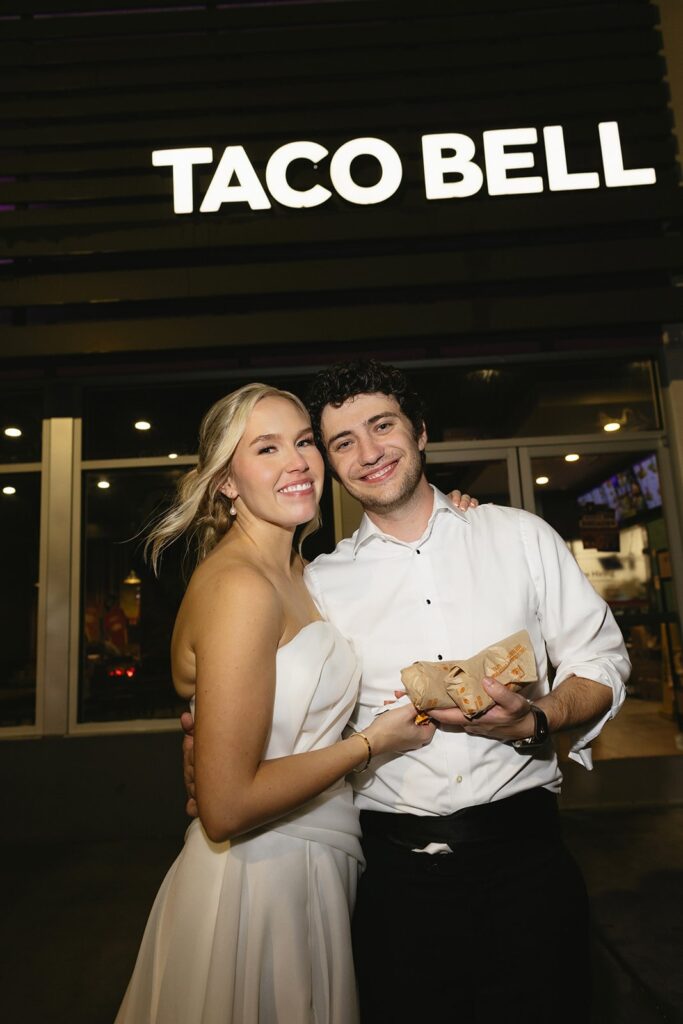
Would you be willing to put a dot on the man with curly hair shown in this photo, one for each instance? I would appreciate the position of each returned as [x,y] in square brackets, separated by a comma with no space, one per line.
[470,908]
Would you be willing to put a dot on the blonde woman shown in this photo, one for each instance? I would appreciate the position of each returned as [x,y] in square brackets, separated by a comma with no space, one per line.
[251,924]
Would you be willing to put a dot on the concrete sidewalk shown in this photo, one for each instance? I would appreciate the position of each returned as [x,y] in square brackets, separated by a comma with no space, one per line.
[74,914]
[633,864]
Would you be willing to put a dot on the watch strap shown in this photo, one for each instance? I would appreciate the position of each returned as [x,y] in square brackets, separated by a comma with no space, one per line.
[540,734]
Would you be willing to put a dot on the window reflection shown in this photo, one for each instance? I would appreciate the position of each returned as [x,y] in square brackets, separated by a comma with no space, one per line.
[19,558]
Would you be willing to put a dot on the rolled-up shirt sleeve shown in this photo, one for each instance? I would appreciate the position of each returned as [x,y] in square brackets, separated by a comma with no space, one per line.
[581,635]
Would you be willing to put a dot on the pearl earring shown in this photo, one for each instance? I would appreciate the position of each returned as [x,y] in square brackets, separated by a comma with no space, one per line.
[233,510]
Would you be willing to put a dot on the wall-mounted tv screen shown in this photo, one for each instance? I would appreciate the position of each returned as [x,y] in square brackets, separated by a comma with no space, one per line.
[647,475]
[630,491]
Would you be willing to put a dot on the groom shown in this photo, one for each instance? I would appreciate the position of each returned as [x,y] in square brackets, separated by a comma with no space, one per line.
[470,908]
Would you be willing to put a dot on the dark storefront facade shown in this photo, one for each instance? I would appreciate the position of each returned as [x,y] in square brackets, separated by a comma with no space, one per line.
[484,194]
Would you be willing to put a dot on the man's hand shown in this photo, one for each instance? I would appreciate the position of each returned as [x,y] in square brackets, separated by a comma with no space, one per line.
[188,763]
[571,703]
[509,718]
[462,501]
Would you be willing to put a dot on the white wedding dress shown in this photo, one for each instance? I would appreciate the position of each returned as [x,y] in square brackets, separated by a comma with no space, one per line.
[257,930]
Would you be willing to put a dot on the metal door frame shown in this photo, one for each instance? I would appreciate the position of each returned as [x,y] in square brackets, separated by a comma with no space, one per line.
[481,451]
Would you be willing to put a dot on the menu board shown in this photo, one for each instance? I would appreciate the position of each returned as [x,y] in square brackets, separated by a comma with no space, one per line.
[647,476]
[630,491]
[629,498]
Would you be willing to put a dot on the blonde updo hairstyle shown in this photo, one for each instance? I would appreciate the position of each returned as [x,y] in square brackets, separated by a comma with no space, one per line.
[200,511]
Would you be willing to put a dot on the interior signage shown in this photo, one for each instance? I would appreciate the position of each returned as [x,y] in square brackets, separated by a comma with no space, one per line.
[450,164]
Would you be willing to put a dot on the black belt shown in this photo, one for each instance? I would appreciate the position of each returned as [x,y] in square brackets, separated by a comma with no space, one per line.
[518,817]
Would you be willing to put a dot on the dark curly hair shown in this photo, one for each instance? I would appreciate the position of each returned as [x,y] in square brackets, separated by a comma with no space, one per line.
[337,384]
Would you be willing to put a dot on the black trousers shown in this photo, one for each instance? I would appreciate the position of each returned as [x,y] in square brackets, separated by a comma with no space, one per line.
[496,932]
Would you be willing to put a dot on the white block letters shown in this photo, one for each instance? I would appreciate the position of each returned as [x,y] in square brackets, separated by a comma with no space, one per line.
[452,169]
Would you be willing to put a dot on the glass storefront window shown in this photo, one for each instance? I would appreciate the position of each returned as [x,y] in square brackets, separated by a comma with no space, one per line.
[127,613]
[463,403]
[538,400]
[19,557]
[138,421]
[21,426]
[143,421]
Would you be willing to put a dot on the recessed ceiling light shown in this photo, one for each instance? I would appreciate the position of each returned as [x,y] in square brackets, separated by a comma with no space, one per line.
[103,485]
[572,457]
[12,432]
[9,490]
[612,426]
[540,480]
[173,455]
[143,425]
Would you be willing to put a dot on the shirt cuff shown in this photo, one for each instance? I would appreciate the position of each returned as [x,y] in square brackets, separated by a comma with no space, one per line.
[580,749]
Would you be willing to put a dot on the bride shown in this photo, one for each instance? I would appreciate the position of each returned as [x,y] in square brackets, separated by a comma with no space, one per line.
[251,924]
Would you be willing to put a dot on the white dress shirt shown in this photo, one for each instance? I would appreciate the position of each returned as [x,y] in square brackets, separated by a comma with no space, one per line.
[470,580]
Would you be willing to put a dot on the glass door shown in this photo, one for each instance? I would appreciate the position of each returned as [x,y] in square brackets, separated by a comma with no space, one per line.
[489,474]
[609,502]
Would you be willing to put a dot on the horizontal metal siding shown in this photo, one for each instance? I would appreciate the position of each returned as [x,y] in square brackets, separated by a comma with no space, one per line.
[96,259]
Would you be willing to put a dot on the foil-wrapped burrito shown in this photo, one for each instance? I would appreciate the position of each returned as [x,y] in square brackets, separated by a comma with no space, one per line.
[435,685]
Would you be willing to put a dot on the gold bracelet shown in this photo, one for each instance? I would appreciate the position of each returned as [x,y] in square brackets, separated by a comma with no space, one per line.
[369,758]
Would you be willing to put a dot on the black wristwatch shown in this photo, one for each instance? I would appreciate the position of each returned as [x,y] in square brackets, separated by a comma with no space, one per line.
[541,732]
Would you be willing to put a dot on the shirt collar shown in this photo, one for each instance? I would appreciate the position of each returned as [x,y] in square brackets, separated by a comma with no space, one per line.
[367,529]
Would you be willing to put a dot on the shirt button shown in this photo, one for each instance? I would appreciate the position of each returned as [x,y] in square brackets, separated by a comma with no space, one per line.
[440,657]
[428,601]
[458,778]
[417,551]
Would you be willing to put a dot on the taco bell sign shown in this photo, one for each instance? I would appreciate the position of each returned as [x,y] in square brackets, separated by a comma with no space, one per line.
[452,169]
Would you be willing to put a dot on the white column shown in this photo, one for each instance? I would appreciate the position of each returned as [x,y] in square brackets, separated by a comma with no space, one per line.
[55,573]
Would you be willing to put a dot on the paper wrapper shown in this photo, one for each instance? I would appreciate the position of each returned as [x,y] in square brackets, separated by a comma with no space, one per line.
[435,685]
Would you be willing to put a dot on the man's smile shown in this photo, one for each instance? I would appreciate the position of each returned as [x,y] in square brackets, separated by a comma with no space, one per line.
[377,476]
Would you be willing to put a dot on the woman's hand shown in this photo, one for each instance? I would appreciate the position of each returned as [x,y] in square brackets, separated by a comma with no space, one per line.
[462,501]
[395,731]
